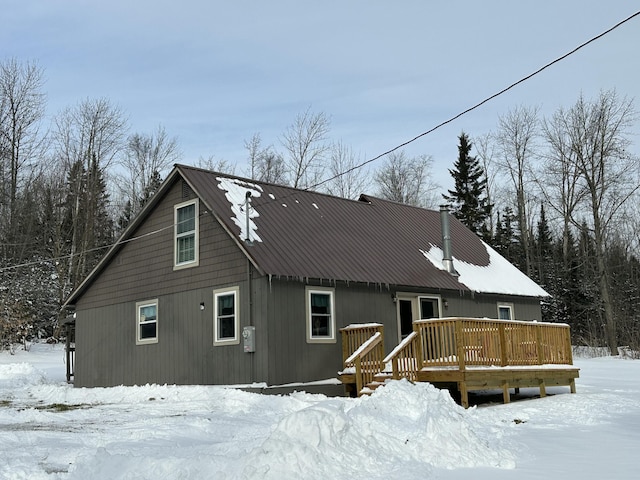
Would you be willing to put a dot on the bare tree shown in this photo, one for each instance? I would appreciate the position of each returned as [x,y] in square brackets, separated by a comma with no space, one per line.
[217,165]
[146,156]
[598,132]
[348,179]
[305,142]
[87,140]
[559,180]
[407,180]
[265,164]
[485,149]
[22,107]
[516,137]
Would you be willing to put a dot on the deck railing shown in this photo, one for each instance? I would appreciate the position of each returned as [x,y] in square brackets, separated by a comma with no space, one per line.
[461,342]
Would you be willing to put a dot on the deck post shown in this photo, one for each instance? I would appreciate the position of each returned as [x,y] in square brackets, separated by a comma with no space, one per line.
[543,389]
[505,392]
[419,355]
[460,350]
[358,366]
[504,361]
[567,336]
[464,394]
[539,345]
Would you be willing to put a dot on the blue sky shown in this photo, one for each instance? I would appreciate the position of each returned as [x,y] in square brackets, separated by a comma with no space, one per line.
[213,73]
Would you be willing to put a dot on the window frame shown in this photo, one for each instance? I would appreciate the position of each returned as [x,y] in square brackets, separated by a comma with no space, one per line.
[332,315]
[508,306]
[139,323]
[223,292]
[195,232]
[436,298]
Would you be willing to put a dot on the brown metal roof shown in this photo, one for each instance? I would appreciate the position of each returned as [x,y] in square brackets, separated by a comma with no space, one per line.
[312,235]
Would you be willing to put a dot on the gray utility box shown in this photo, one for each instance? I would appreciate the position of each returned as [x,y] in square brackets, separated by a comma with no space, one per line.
[249,339]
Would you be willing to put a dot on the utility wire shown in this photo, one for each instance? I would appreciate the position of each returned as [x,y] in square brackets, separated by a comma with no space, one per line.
[479,104]
[84,252]
[455,117]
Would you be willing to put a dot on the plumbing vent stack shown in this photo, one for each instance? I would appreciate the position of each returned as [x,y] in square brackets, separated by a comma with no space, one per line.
[447,259]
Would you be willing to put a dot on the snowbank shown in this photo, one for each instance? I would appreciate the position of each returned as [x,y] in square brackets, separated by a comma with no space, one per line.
[401,426]
[50,430]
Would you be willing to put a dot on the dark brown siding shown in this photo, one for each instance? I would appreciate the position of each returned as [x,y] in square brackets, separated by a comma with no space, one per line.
[143,268]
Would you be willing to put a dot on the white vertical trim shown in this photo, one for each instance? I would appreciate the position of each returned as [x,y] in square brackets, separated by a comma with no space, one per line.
[332,319]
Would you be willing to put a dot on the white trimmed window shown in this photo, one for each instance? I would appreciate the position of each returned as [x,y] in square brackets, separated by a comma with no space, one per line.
[321,318]
[186,234]
[505,311]
[147,322]
[226,321]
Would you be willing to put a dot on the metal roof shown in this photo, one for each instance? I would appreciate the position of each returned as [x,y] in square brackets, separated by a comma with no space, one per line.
[305,234]
[309,235]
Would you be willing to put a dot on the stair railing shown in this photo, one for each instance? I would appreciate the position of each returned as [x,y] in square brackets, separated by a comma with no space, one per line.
[404,358]
[367,361]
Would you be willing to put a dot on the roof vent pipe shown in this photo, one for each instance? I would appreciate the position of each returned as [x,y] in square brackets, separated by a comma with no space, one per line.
[447,258]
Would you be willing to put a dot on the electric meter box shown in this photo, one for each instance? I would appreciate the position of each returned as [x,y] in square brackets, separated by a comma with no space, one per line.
[249,339]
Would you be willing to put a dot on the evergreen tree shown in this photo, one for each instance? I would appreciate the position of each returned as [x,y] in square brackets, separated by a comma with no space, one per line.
[468,201]
[151,188]
[543,250]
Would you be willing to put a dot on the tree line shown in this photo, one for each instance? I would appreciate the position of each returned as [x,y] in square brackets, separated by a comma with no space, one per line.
[554,196]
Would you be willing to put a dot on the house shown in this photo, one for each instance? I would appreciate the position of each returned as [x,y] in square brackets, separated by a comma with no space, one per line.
[224,280]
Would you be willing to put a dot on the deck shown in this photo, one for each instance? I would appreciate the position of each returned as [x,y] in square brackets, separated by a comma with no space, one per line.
[465,353]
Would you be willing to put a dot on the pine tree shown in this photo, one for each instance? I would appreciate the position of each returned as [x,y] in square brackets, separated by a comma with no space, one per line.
[543,249]
[468,201]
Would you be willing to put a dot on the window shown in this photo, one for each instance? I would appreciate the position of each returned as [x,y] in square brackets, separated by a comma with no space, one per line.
[321,321]
[186,234]
[505,311]
[429,307]
[226,316]
[147,322]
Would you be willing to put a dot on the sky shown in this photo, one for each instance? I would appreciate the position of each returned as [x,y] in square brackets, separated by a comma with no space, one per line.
[51,430]
[214,73]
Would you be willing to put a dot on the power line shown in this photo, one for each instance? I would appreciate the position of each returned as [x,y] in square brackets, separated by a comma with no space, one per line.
[84,252]
[479,104]
[455,117]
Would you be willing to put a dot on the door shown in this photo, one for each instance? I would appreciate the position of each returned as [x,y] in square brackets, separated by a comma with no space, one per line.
[405,317]
[412,308]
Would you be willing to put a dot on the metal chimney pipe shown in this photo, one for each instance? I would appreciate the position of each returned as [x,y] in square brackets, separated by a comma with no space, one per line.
[447,258]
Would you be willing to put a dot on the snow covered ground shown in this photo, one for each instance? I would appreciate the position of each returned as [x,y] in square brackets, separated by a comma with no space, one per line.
[49,430]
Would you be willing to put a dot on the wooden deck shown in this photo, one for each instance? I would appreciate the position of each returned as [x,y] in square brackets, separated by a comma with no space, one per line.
[466,353]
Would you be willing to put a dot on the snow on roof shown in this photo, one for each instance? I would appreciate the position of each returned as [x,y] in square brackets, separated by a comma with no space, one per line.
[236,192]
[499,276]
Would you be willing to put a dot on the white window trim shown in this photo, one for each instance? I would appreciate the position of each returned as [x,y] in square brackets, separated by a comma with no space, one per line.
[438,298]
[146,341]
[236,310]
[325,291]
[506,305]
[196,261]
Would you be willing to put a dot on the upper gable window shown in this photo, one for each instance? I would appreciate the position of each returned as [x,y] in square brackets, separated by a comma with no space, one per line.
[321,319]
[186,234]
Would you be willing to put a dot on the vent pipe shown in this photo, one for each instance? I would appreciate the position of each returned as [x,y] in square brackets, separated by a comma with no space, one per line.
[247,212]
[447,258]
